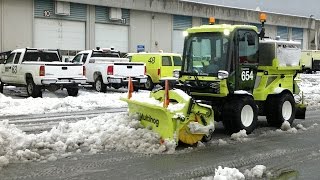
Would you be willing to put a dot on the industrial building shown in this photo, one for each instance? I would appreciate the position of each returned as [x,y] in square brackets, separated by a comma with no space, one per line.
[130,25]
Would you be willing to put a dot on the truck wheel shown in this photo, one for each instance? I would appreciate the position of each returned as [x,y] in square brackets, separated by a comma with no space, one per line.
[99,85]
[280,108]
[33,90]
[1,87]
[136,88]
[240,112]
[73,91]
[149,84]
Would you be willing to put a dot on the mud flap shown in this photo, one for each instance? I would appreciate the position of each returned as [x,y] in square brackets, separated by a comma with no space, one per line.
[301,111]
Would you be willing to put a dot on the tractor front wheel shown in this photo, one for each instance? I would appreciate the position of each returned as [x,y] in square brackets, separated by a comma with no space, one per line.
[240,112]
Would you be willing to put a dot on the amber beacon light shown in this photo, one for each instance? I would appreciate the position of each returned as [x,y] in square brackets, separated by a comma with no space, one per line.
[263,17]
[212,20]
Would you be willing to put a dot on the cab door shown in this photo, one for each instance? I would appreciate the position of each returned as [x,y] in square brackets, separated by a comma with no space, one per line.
[166,67]
[247,44]
[18,76]
[7,69]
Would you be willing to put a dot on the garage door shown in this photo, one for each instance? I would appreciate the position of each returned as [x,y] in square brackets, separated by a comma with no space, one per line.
[177,41]
[180,24]
[62,34]
[109,35]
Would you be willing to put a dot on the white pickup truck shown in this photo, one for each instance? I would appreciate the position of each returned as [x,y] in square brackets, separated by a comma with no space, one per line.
[104,67]
[39,69]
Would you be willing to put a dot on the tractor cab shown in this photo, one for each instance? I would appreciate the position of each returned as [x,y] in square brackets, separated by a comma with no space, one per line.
[220,55]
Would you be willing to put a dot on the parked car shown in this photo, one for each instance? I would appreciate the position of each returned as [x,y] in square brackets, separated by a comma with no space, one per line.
[39,69]
[158,66]
[104,67]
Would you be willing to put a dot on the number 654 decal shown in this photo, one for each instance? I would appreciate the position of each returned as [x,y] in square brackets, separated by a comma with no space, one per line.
[246,75]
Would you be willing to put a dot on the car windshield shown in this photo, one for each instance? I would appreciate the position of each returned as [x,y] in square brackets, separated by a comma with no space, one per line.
[43,56]
[206,53]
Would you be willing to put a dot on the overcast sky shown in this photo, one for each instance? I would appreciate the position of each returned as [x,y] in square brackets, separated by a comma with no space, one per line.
[294,7]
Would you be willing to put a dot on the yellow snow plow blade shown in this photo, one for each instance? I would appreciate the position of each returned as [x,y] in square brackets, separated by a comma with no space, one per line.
[182,119]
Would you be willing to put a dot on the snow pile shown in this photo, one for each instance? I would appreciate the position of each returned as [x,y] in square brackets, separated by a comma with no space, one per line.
[222,142]
[240,136]
[255,172]
[287,127]
[310,85]
[85,101]
[110,131]
[226,174]
[197,128]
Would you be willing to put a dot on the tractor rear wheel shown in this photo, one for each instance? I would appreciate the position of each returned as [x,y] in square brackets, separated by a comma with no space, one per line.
[240,112]
[280,108]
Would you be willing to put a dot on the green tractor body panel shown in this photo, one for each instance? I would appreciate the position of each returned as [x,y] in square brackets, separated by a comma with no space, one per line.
[172,123]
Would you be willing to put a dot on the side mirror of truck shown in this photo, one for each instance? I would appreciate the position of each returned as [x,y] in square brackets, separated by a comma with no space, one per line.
[66,60]
[223,74]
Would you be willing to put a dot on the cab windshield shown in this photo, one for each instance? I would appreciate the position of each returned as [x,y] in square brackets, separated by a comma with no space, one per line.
[205,53]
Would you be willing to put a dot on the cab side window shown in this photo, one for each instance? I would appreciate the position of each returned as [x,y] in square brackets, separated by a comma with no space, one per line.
[166,61]
[248,46]
[10,59]
[77,59]
[177,61]
[16,59]
[84,58]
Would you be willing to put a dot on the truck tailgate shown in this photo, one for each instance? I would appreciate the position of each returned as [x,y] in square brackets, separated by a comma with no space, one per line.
[63,70]
[129,69]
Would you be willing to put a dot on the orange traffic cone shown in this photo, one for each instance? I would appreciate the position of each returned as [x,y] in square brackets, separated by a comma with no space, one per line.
[166,94]
[130,88]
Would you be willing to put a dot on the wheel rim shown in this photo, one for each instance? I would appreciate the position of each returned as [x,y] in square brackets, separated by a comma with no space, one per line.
[247,115]
[148,84]
[98,85]
[286,110]
[29,88]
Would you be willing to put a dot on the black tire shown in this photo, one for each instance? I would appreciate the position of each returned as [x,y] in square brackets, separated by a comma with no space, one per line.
[32,89]
[136,88]
[99,85]
[278,109]
[149,84]
[116,86]
[1,87]
[207,138]
[240,112]
[73,91]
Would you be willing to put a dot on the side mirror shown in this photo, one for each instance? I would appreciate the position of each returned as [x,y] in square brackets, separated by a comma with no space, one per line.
[66,60]
[223,74]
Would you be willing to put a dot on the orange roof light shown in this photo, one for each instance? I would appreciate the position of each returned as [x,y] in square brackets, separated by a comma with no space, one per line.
[263,17]
[212,20]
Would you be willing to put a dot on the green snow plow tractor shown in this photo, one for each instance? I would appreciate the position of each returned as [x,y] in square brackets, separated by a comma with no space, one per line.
[239,73]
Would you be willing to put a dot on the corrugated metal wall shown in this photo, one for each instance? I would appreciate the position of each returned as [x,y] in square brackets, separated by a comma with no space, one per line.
[78,12]
[102,15]
[182,22]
